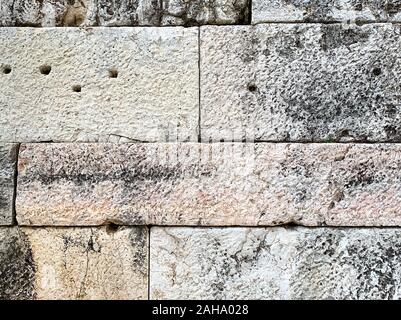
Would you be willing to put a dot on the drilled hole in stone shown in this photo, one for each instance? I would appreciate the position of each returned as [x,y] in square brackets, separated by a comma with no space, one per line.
[252,87]
[76,88]
[113,73]
[377,71]
[6,69]
[45,69]
[112,227]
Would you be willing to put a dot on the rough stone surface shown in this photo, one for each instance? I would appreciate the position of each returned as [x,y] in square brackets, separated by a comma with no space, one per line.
[275,263]
[99,84]
[301,82]
[325,10]
[17,269]
[8,158]
[209,184]
[73,263]
[49,13]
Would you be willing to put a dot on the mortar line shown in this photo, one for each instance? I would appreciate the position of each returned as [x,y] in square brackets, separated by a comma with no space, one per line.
[15,181]
[149,228]
[199,86]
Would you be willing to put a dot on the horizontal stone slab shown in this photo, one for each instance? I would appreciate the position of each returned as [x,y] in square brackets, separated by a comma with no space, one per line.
[73,263]
[209,184]
[8,158]
[49,13]
[325,11]
[275,263]
[99,84]
[301,82]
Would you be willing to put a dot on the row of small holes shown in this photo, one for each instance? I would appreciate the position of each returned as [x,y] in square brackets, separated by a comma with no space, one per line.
[45,70]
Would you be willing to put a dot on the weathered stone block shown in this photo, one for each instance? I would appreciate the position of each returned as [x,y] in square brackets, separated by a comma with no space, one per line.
[100,84]
[8,158]
[209,184]
[49,13]
[73,263]
[325,11]
[275,263]
[301,82]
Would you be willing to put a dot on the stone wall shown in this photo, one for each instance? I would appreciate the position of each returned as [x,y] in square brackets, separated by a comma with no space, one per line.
[192,149]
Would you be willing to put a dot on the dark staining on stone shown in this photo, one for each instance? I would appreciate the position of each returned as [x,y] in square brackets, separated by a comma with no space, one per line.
[391,131]
[89,245]
[229,265]
[324,100]
[376,266]
[138,238]
[321,10]
[336,35]
[137,171]
[17,268]
[363,176]
[375,257]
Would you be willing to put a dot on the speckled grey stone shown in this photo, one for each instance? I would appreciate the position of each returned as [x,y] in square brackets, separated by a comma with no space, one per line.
[230,184]
[301,82]
[8,158]
[73,263]
[275,263]
[326,10]
[49,13]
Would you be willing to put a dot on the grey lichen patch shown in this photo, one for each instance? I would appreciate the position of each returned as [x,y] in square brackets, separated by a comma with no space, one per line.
[367,260]
[75,13]
[8,158]
[314,83]
[326,10]
[275,263]
[17,268]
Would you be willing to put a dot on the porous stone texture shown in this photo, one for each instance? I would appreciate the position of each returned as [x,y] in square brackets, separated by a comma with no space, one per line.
[17,268]
[50,13]
[325,10]
[301,82]
[99,84]
[275,263]
[209,184]
[73,263]
[8,158]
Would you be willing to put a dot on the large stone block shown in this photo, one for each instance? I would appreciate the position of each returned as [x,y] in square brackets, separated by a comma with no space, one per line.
[301,82]
[8,158]
[325,10]
[49,13]
[275,263]
[99,84]
[209,184]
[73,263]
